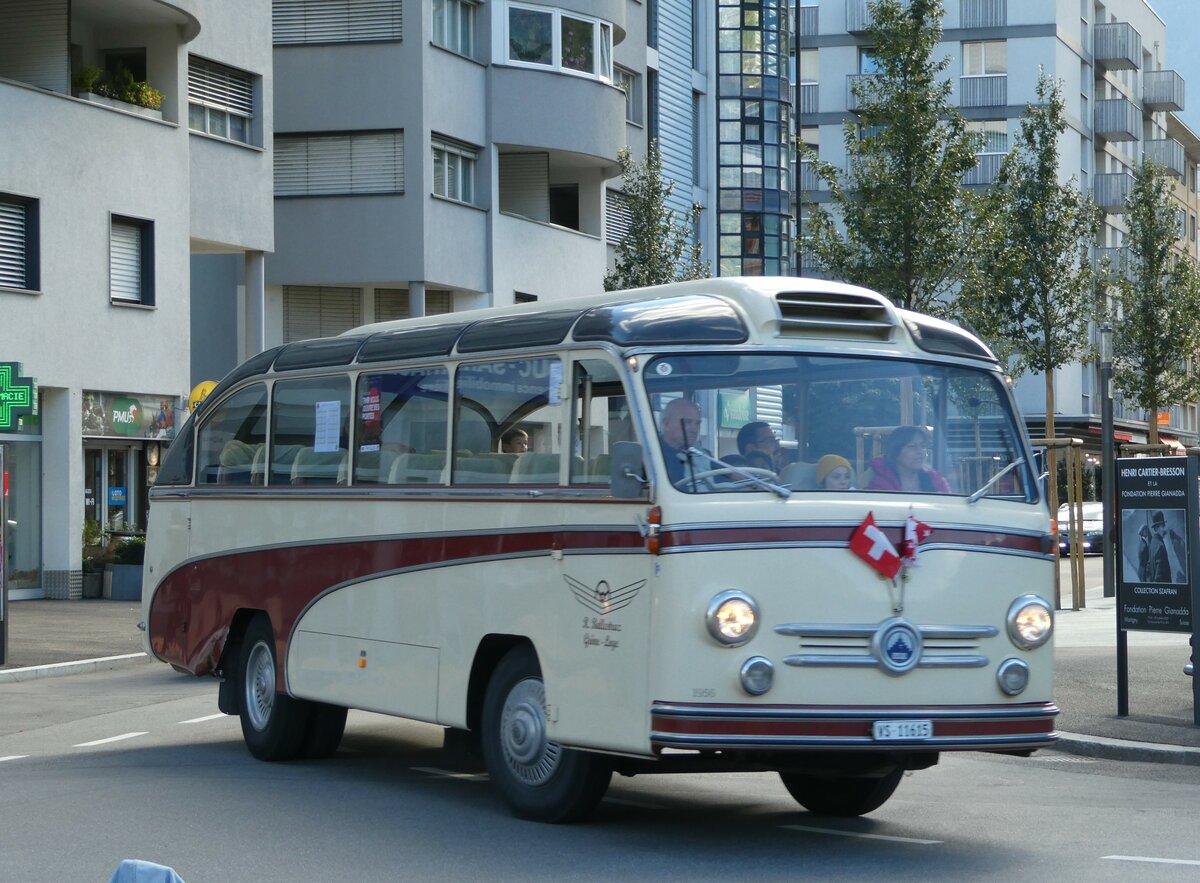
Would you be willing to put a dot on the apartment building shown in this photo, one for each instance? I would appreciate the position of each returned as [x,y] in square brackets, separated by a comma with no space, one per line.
[1121,99]
[107,207]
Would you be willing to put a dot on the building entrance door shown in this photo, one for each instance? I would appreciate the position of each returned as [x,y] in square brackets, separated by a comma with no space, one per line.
[114,489]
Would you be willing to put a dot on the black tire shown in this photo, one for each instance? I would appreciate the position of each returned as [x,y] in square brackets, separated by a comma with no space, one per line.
[537,778]
[325,727]
[274,725]
[841,795]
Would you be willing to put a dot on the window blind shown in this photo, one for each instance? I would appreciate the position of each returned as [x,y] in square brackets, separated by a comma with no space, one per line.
[336,21]
[392,303]
[319,311]
[524,185]
[218,86]
[312,165]
[125,262]
[618,217]
[12,245]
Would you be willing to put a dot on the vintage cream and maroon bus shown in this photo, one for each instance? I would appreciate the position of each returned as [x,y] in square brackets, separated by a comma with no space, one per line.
[341,526]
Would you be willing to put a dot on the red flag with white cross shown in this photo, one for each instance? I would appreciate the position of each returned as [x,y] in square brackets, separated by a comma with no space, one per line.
[915,533]
[871,544]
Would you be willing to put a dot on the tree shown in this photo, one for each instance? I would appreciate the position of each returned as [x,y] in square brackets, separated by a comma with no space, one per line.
[1031,287]
[901,204]
[658,248]
[1157,322]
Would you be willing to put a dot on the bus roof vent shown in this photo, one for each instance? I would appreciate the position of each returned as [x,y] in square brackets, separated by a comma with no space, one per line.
[835,314]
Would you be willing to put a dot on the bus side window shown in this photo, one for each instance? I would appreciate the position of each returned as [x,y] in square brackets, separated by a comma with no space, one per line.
[600,418]
[310,430]
[231,436]
[400,413]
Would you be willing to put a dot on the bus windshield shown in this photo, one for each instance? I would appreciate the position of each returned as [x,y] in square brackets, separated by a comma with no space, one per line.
[835,423]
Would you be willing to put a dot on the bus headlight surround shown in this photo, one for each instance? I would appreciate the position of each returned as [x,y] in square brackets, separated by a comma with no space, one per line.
[732,617]
[1012,676]
[757,675]
[1030,622]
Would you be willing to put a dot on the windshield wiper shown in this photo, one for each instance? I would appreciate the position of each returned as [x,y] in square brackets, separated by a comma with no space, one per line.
[991,482]
[776,489]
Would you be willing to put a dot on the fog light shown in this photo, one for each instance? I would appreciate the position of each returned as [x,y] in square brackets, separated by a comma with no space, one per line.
[1030,622]
[758,675]
[1012,676]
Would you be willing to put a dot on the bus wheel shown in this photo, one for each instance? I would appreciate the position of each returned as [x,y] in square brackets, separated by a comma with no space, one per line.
[325,729]
[537,778]
[841,795]
[273,725]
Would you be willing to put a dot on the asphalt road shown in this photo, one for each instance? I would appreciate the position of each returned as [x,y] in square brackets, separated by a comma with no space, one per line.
[136,763]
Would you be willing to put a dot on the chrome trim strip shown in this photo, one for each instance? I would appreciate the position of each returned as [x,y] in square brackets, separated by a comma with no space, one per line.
[1036,711]
[825,544]
[1032,740]
[927,660]
[867,630]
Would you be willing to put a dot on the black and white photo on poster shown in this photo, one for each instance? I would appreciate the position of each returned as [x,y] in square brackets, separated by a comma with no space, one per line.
[1154,546]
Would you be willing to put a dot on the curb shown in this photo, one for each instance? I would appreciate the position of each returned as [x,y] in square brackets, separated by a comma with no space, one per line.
[59,669]
[1126,749]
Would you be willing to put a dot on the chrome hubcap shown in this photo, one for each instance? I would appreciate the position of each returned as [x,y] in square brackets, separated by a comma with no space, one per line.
[260,686]
[528,754]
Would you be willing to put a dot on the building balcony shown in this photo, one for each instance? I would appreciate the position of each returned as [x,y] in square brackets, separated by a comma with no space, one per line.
[1166,152]
[986,169]
[1162,90]
[810,181]
[1113,263]
[807,20]
[808,98]
[1117,119]
[990,91]
[983,13]
[858,16]
[1118,46]
[1110,190]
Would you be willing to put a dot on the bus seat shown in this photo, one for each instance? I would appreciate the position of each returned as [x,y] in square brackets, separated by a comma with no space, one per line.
[282,457]
[506,461]
[258,466]
[417,469]
[233,463]
[536,467]
[799,476]
[599,470]
[479,470]
[317,467]
[373,467]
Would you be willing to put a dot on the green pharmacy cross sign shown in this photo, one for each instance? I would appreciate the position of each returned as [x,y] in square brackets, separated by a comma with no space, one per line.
[18,396]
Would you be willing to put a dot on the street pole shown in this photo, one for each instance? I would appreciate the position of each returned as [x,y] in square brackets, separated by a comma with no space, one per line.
[1107,466]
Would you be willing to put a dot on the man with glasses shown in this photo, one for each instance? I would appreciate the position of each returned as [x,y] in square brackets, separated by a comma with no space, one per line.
[758,438]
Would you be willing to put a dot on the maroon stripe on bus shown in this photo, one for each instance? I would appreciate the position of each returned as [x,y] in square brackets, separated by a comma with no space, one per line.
[769,535]
[193,607]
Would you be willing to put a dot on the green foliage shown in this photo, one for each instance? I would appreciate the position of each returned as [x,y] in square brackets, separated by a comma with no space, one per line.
[120,85]
[1157,310]
[1030,291]
[88,77]
[131,550]
[905,215]
[659,248]
[92,534]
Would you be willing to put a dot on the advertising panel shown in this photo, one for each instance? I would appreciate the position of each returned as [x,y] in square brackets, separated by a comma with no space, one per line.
[128,415]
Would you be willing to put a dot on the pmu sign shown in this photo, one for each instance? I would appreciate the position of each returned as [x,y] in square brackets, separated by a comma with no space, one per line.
[18,396]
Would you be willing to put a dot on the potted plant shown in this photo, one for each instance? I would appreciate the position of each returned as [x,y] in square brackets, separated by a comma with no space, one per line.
[123,577]
[118,89]
[95,556]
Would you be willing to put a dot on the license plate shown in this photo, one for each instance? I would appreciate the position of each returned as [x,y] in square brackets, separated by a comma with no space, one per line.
[897,731]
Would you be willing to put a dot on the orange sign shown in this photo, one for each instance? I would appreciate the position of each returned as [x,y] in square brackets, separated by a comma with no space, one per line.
[1163,418]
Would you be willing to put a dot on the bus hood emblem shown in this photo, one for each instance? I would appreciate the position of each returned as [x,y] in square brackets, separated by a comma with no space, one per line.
[896,645]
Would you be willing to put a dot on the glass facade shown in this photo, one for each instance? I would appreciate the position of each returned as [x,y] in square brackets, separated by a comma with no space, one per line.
[753,152]
[21,484]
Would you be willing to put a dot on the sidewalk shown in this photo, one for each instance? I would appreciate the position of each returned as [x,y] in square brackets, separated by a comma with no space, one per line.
[48,638]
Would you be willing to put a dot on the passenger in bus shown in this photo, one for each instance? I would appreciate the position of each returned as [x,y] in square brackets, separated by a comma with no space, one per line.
[759,437]
[903,465]
[515,441]
[834,473]
[680,430]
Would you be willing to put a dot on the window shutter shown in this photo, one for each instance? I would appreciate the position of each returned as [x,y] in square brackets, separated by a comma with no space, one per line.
[618,217]
[339,164]
[125,262]
[438,303]
[12,245]
[218,86]
[316,311]
[336,21]
[525,185]
[391,304]
[768,406]
[34,44]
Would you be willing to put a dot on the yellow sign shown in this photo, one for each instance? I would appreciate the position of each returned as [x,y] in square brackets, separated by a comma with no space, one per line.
[199,393]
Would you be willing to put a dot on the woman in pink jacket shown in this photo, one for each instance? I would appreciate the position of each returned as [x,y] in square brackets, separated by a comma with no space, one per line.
[902,466]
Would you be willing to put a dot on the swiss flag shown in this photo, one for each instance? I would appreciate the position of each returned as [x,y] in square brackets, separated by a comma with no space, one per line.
[871,544]
[914,533]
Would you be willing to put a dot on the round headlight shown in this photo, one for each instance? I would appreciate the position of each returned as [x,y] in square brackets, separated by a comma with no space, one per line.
[732,617]
[1012,676]
[757,675]
[1030,622]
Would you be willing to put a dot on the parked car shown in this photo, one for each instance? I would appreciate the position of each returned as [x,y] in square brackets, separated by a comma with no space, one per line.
[1092,526]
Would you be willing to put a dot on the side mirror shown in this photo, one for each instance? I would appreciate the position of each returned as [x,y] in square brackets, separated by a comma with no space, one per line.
[627,478]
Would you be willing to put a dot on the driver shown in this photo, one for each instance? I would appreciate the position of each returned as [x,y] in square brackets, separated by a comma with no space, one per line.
[680,430]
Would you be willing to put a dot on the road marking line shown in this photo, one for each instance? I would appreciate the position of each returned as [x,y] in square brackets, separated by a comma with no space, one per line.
[434,771]
[109,739]
[209,717]
[13,757]
[838,833]
[1151,860]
